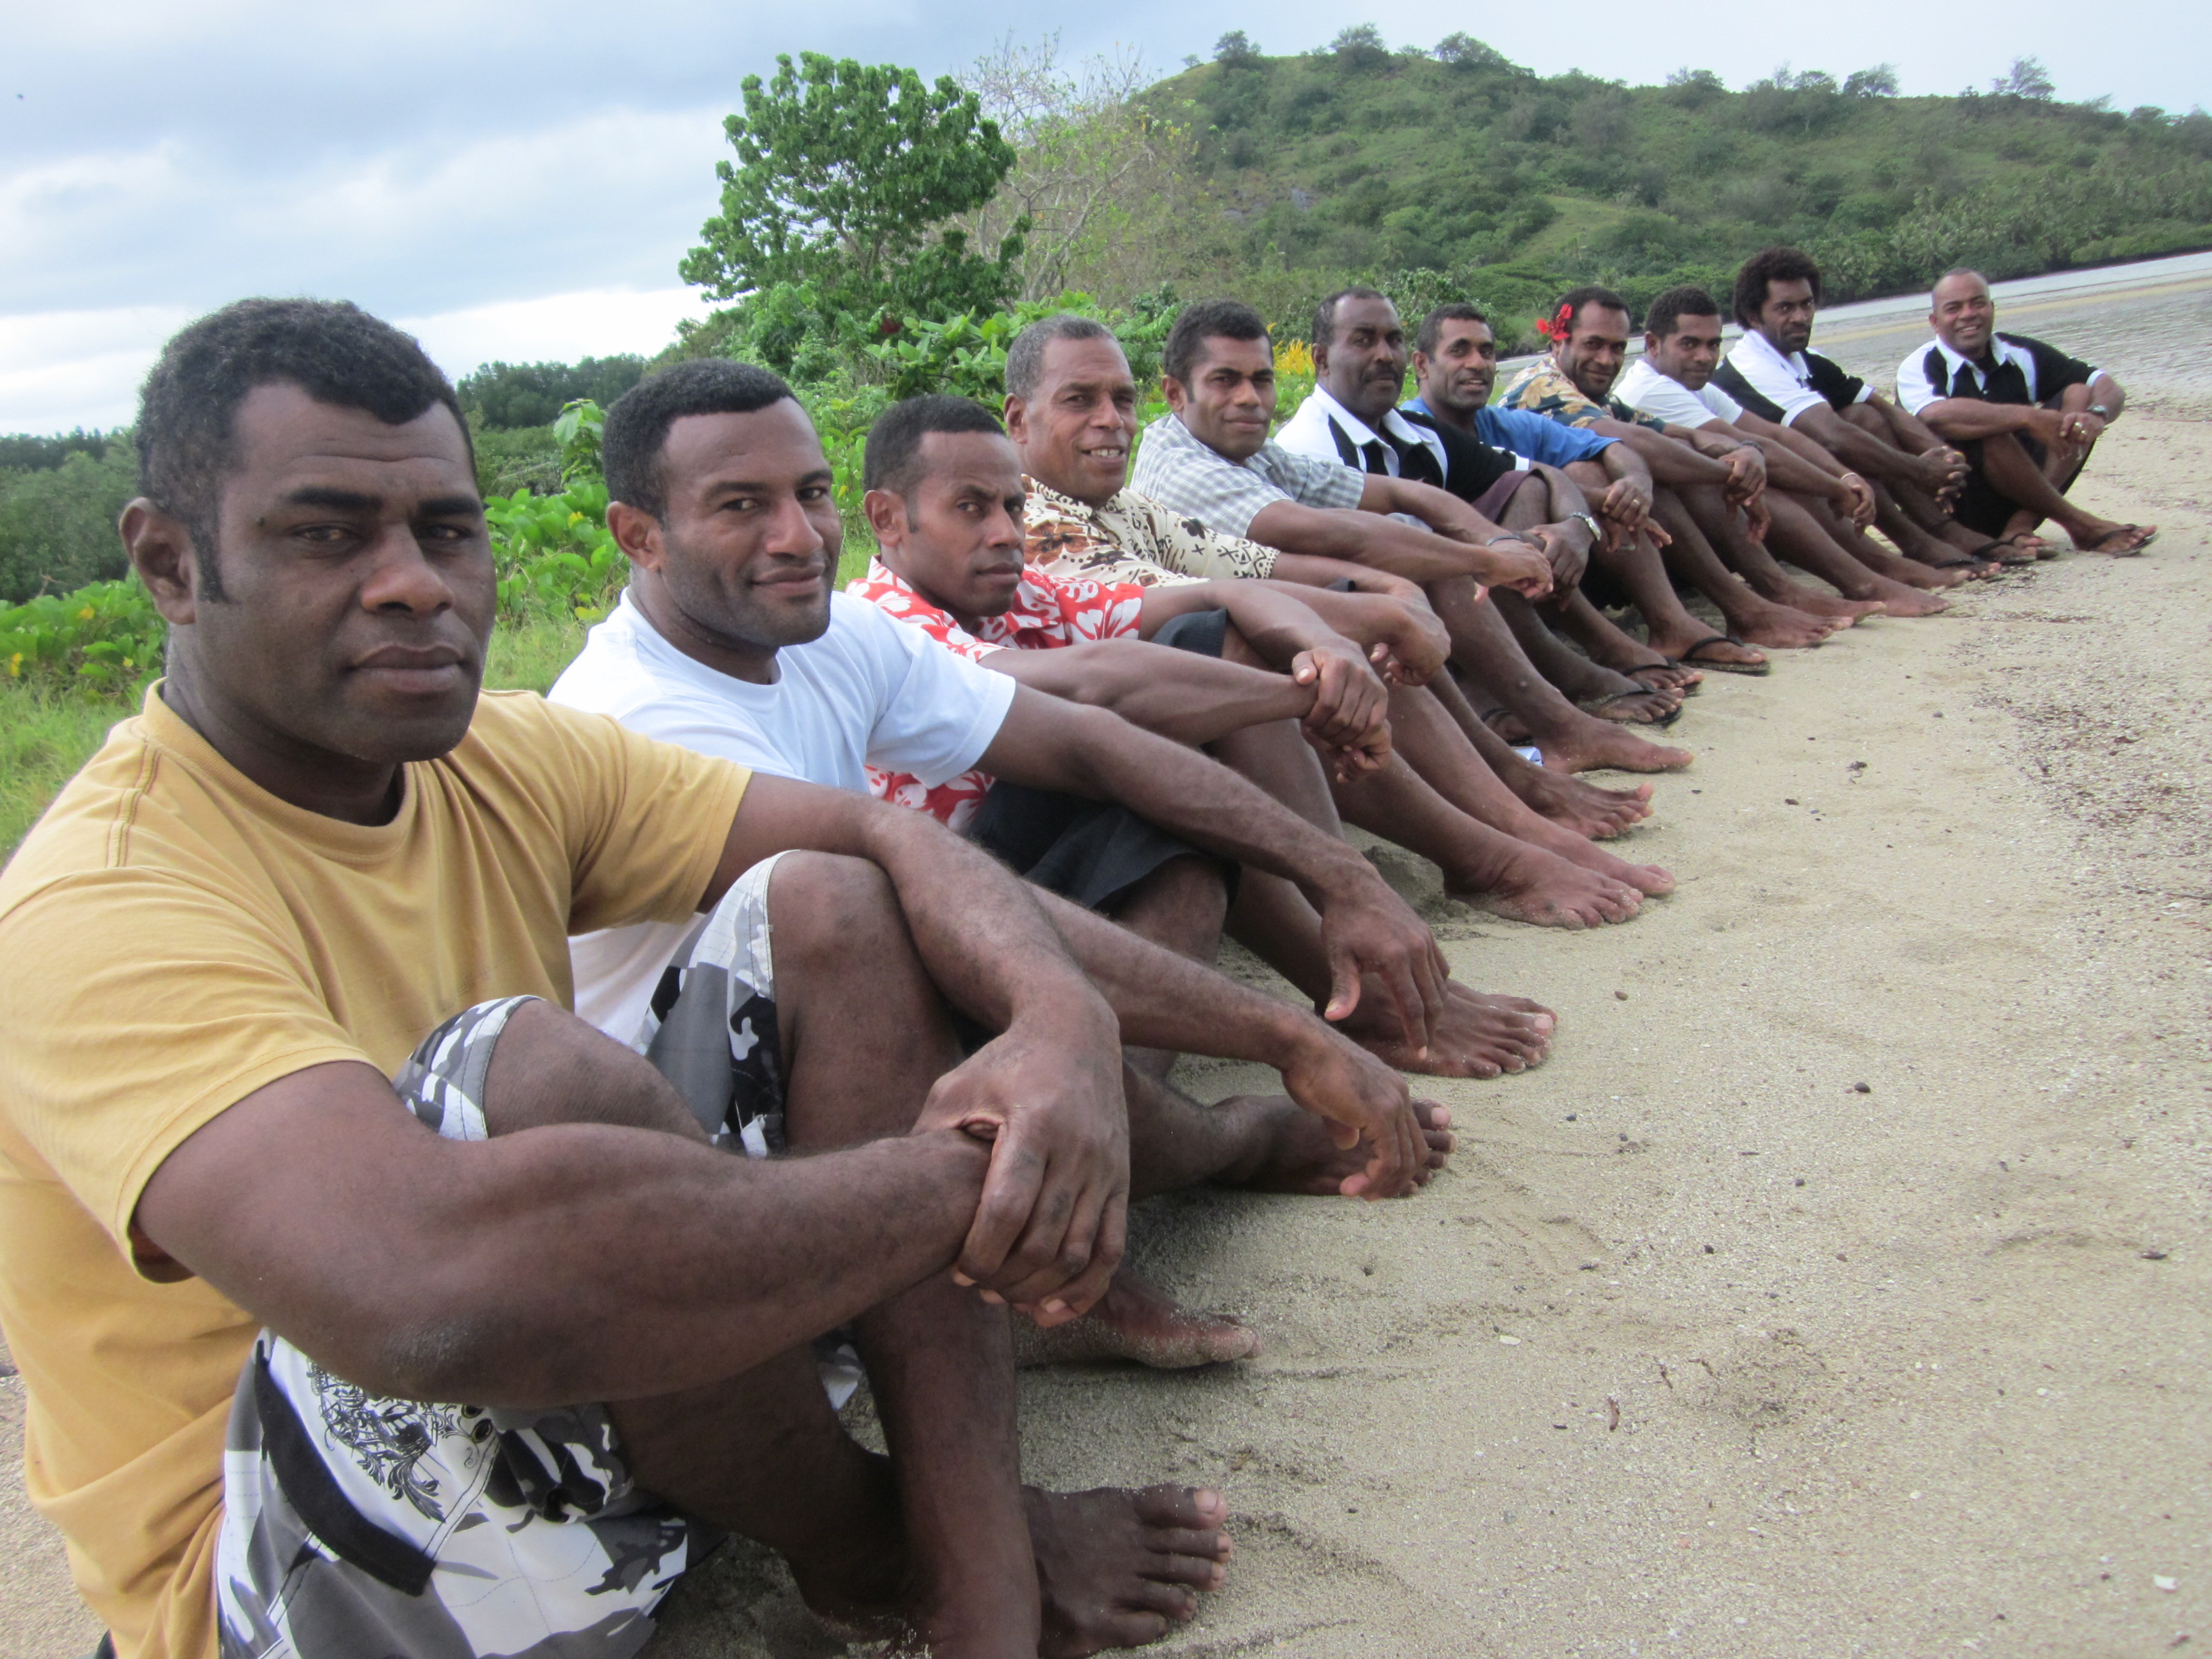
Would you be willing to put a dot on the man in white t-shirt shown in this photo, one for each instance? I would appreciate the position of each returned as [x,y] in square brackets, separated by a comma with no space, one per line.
[730,641]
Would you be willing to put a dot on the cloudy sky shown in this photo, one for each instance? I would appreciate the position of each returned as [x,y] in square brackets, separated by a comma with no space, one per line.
[518,181]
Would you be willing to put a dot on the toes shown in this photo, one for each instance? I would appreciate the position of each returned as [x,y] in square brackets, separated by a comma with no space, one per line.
[1195,1508]
[1185,1555]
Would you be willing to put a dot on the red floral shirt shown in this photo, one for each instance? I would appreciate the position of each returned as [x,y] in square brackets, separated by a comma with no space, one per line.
[1047,611]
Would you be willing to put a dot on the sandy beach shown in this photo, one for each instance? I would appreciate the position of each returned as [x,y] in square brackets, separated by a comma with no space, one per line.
[1843,1283]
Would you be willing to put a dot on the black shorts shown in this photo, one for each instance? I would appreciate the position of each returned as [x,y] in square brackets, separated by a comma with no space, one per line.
[1088,851]
[1980,507]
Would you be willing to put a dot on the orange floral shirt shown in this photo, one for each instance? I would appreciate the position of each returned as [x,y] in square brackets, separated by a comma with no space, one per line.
[1048,612]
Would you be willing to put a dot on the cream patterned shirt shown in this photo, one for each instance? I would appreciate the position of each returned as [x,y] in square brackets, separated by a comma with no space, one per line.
[1133,538]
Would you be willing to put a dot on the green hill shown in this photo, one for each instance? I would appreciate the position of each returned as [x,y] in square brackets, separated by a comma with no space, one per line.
[1358,158]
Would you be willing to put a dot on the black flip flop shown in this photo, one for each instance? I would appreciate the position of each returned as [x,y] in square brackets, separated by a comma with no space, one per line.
[1663,722]
[1689,659]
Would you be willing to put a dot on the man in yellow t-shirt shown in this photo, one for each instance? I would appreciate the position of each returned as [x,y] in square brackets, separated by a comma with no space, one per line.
[297,1137]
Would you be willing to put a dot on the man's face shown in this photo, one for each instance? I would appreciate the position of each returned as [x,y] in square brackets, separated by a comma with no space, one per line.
[1230,403]
[749,545]
[1592,354]
[957,539]
[1073,433]
[1690,354]
[1963,315]
[358,583]
[1459,377]
[1364,365]
[1786,318]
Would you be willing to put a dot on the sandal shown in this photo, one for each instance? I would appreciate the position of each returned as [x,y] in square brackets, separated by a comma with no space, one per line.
[1690,658]
[2139,538]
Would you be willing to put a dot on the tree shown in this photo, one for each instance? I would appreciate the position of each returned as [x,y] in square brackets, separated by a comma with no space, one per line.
[1359,46]
[1463,50]
[1104,187]
[513,395]
[846,180]
[1234,47]
[2027,78]
[1879,82]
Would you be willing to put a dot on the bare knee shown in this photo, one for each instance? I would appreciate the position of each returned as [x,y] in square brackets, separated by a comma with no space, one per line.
[825,905]
[549,1066]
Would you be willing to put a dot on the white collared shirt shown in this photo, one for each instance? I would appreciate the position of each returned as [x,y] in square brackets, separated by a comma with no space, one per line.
[2046,369]
[1307,432]
[1791,383]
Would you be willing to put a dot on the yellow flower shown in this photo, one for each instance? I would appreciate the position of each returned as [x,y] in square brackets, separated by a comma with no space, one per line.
[15,666]
[1292,358]
[85,614]
[575,518]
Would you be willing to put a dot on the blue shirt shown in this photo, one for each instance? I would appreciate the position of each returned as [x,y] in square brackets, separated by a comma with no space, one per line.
[1535,436]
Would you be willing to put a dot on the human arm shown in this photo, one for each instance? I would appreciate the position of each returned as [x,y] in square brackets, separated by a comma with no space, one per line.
[1309,571]
[1180,695]
[1350,704]
[1363,535]
[573,1261]
[1367,928]
[1796,463]
[1933,471]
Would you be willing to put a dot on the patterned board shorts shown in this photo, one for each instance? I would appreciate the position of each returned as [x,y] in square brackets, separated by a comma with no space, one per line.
[358,1527]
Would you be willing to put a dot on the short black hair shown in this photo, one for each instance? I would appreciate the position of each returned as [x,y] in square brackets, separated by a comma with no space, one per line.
[1432,325]
[893,460]
[636,433]
[331,349]
[1577,301]
[1765,269]
[1686,300]
[1204,320]
[1025,357]
[1324,322]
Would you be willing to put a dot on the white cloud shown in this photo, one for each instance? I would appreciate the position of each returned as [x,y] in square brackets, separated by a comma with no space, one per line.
[60,369]
[559,327]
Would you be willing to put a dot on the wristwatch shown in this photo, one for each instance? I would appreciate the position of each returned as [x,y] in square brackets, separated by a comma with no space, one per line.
[2099,411]
[1588,522]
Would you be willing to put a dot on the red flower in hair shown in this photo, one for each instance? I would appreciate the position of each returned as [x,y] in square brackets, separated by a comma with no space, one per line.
[1557,327]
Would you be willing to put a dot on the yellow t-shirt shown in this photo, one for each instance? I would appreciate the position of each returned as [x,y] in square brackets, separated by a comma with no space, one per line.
[172,938]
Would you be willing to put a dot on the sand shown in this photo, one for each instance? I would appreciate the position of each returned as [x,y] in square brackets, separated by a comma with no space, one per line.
[1839,1287]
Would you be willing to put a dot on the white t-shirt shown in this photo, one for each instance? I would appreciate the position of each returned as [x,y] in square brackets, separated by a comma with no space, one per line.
[869,690]
[1645,388]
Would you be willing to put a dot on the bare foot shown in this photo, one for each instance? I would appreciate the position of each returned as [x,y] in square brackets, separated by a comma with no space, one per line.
[1540,887]
[1596,813]
[1478,1035]
[1910,572]
[1139,1321]
[1643,705]
[1594,745]
[1835,607]
[1648,879]
[1301,1156]
[1121,1569]
[1783,628]
[1899,600]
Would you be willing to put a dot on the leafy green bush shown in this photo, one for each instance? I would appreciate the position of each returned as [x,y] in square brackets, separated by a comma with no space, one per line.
[106,638]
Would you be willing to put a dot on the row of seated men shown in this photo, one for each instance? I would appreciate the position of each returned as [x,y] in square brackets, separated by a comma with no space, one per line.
[371,1301]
